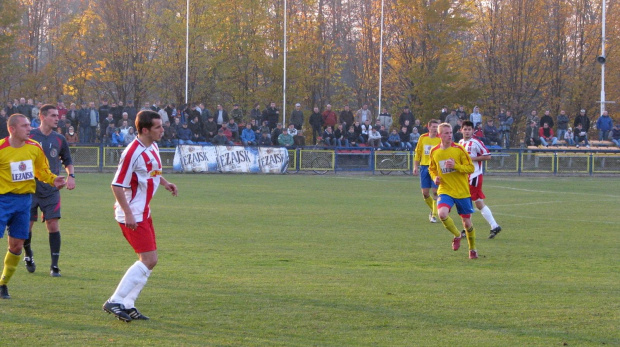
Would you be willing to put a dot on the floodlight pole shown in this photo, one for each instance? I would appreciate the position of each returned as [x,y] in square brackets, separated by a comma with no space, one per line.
[381,62]
[186,52]
[284,77]
[603,64]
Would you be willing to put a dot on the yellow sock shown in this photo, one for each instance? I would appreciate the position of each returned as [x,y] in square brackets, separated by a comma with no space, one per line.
[431,204]
[435,213]
[471,237]
[449,224]
[10,265]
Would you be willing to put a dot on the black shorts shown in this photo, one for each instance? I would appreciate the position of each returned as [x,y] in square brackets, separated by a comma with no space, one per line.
[49,205]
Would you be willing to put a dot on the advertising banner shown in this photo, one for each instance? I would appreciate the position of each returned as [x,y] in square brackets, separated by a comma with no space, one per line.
[239,159]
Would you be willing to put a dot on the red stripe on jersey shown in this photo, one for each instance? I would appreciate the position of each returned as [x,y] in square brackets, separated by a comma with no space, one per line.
[6,143]
[126,162]
[479,149]
[150,187]
[434,148]
[147,162]
[34,143]
[154,153]
[455,145]
[485,150]
[134,185]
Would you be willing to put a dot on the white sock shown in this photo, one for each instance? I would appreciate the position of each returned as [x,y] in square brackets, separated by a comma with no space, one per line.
[130,299]
[136,275]
[486,213]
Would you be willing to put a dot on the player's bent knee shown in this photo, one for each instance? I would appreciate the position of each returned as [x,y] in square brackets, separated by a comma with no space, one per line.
[16,249]
[149,259]
[443,213]
[466,221]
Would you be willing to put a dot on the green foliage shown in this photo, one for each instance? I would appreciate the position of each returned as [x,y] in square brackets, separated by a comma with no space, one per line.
[299,260]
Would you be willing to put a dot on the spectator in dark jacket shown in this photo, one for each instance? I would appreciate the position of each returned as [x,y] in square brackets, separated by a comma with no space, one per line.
[264,139]
[4,131]
[24,108]
[582,119]
[316,122]
[272,114]
[220,116]
[346,117]
[220,139]
[297,117]
[404,138]
[406,115]
[196,129]
[615,135]
[184,135]
[531,134]
[256,114]
[562,124]
[275,133]
[210,129]
[546,118]
[490,132]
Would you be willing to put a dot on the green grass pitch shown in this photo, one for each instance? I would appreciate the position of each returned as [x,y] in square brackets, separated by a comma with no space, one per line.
[345,260]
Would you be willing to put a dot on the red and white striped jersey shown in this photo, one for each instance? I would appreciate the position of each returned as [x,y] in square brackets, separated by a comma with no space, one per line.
[475,148]
[139,172]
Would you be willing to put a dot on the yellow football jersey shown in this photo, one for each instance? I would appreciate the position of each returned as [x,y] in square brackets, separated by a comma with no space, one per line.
[423,149]
[455,181]
[19,167]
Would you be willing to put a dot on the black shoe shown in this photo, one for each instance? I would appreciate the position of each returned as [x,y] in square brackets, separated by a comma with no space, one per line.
[135,314]
[495,232]
[4,292]
[118,310]
[30,265]
[55,271]
[463,234]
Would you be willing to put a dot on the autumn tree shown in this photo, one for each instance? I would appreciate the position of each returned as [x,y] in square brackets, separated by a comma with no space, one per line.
[424,57]
[9,24]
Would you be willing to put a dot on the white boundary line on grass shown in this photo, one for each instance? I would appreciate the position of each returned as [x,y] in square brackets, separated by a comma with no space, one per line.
[373,178]
[563,219]
[551,191]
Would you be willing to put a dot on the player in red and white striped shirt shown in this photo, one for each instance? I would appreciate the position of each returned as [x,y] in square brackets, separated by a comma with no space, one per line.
[478,153]
[138,175]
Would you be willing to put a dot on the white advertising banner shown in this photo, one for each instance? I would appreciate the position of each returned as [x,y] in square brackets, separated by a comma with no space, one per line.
[192,158]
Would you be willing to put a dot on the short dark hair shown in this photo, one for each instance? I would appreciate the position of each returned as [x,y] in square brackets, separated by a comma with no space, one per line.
[45,108]
[467,123]
[12,121]
[144,119]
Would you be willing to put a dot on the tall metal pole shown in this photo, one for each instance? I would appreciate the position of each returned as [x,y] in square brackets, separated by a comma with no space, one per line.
[186,52]
[381,62]
[603,65]
[284,79]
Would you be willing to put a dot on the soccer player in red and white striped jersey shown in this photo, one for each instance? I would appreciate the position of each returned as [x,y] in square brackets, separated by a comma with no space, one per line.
[137,178]
[478,153]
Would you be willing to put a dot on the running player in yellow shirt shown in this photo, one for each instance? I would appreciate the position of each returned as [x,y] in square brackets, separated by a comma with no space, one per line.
[450,167]
[21,160]
[421,161]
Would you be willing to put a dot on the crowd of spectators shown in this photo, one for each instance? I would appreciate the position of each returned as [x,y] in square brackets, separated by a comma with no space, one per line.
[113,125]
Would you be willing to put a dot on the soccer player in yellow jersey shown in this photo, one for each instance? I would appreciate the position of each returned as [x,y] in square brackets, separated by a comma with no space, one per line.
[450,168]
[420,165]
[21,160]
